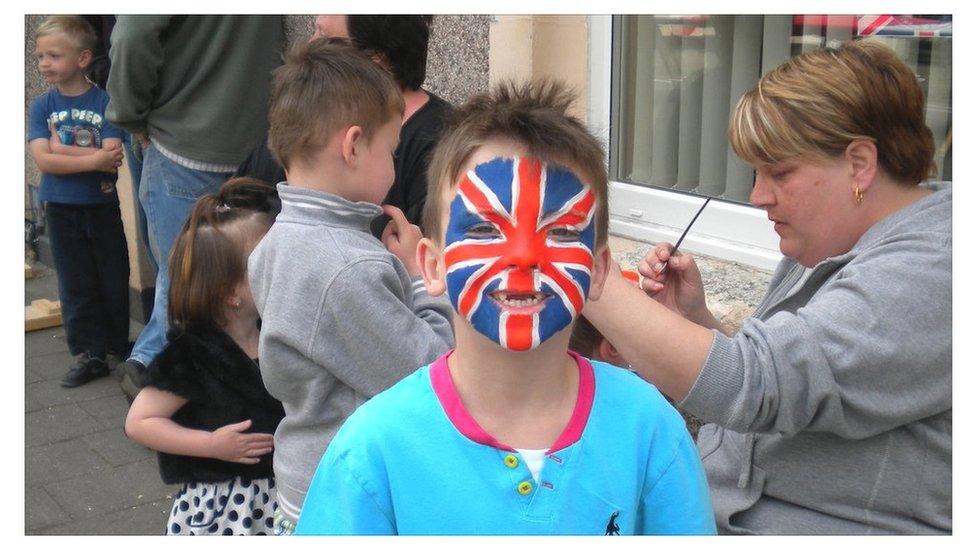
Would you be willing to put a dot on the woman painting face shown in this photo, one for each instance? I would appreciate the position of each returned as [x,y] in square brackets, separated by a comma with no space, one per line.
[519,250]
[811,207]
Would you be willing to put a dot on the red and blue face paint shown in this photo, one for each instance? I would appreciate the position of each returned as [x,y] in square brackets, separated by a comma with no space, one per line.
[519,250]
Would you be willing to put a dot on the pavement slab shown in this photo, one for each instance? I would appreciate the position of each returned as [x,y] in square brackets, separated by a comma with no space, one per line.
[146,519]
[63,461]
[45,394]
[42,511]
[110,410]
[111,489]
[113,446]
[58,423]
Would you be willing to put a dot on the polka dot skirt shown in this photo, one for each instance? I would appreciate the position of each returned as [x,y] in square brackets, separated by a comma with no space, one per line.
[233,507]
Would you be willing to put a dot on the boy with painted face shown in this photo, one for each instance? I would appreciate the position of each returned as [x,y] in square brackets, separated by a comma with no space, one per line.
[510,433]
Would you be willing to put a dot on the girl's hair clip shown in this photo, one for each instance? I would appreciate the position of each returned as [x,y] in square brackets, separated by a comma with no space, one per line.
[222,207]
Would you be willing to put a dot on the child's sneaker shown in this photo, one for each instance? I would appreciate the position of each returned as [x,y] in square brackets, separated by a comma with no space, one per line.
[87,369]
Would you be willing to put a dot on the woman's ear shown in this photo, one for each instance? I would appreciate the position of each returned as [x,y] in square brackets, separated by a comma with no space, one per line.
[431,262]
[351,141]
[601,267]
[862,157]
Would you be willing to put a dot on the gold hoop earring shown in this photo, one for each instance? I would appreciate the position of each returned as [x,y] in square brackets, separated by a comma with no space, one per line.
[858,195]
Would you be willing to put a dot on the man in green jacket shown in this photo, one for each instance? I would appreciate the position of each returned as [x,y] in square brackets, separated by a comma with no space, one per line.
[193,90]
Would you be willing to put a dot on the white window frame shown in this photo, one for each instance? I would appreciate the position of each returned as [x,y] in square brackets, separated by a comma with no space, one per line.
[728,231]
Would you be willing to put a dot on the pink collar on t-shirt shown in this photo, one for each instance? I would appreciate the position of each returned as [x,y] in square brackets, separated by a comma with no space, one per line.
[440,377]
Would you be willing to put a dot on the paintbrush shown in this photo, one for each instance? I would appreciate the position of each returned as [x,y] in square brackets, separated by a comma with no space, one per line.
[674,249]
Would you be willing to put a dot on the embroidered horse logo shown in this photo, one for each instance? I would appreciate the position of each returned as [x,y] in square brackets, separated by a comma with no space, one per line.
[612,528]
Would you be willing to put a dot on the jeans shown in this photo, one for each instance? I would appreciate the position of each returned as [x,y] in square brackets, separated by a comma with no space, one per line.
[167,192]
[133,158]
[92,263]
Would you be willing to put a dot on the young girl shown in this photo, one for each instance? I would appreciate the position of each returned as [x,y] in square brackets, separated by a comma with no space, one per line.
[204,407]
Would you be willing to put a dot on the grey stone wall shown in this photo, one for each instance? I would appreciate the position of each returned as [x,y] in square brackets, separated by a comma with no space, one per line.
[33,86]
[457,58]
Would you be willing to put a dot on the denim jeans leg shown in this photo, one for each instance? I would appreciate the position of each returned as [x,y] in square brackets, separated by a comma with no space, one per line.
[77,279]
[167,192]
[133,159]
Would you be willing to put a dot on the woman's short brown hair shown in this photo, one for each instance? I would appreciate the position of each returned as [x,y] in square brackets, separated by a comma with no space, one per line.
[209,257]
[817,103]
[533,114]
[324,86]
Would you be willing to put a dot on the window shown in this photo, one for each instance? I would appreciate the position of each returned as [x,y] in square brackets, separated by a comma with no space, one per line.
[673,83]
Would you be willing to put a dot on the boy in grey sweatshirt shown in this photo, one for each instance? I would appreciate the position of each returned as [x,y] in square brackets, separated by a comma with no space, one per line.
[344,316]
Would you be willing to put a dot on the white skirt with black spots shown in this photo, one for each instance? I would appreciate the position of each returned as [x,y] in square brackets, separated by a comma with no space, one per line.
[233,507]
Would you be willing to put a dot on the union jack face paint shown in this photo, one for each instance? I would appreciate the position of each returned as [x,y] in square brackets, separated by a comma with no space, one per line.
[519,250]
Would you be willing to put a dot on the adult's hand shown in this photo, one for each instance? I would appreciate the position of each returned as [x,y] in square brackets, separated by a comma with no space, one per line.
[675,282]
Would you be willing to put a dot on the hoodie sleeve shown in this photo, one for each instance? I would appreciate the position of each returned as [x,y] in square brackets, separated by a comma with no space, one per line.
[379,329]
[136,55]
[870,351]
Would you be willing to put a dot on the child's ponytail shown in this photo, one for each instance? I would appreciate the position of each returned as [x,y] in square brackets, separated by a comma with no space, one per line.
[208,258]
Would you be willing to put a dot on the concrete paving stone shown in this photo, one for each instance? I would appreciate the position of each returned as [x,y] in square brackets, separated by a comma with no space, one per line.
[147,519]
[30,376]
[62,461]
[110,410]
[113,446]
[44,284]
[110,490]
[58,423]
[51,366]
[40,511]
[46,394]
[45,342]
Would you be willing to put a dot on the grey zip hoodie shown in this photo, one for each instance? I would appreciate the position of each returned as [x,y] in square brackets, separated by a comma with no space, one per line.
[341,320]
[833,404]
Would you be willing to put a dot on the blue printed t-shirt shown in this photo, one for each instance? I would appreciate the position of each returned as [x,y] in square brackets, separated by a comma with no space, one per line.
[412,460]
[79,121]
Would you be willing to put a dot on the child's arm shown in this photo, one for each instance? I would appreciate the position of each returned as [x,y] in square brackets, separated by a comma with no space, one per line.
[378,331]
[149,423]
[57,147]
[99,160]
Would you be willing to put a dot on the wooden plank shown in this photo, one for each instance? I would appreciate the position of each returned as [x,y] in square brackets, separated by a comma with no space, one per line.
[47,306]
[42,313]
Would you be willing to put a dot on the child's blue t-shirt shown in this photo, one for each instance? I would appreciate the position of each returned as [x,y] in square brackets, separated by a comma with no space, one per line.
[79,121]
[413,461]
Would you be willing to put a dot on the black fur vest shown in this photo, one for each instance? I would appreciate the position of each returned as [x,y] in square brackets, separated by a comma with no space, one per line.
[223,386]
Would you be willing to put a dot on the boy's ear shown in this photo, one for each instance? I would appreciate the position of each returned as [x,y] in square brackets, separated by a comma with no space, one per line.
[431,262]
[606,352]
[351,140]
[601,267]
[85,59]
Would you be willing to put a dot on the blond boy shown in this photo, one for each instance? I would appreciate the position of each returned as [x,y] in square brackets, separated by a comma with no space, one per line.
[78,153]
[510,433]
